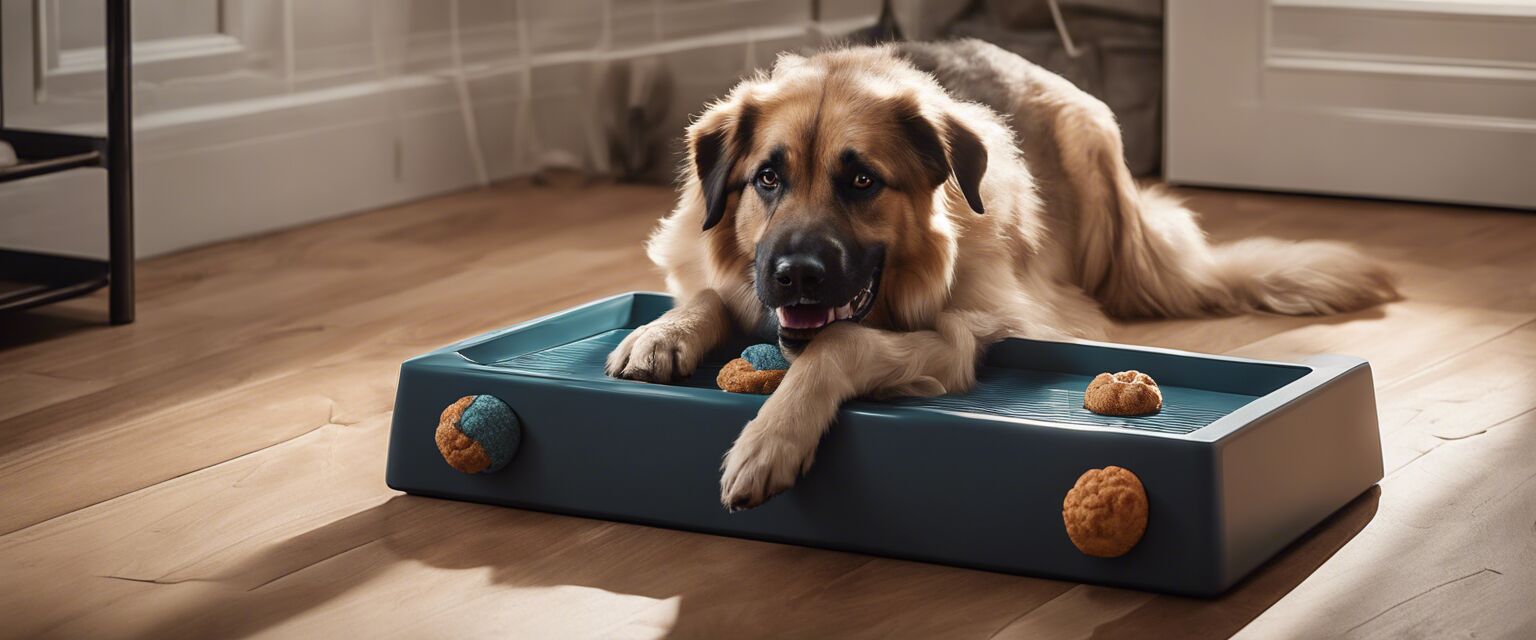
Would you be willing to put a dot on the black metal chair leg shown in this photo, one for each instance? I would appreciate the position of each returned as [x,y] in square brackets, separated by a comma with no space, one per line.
[120,160]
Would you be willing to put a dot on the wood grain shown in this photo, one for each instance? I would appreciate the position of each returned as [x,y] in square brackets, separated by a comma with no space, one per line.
[217,468]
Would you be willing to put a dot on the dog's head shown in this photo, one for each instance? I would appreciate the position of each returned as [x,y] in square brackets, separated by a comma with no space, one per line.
[831,181]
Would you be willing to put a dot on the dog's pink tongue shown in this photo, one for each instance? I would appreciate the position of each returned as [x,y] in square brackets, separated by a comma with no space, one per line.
[802,316]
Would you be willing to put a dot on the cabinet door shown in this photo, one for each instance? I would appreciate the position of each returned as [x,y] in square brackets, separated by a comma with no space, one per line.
[1413,99]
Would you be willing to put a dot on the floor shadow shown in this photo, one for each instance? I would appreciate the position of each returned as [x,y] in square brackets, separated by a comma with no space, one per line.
[1194,618]
[36,326]
[518,548]
[723,585]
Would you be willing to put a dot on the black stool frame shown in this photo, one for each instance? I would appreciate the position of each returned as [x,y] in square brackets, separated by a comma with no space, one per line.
[42,278]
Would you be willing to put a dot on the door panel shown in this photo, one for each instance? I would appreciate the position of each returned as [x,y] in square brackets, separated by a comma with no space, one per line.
[1392,98]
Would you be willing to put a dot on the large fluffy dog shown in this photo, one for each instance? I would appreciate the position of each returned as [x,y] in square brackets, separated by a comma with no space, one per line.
[869,207]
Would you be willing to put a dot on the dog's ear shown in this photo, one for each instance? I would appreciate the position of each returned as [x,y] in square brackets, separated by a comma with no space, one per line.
[957,151]
[716,142]
[968,161]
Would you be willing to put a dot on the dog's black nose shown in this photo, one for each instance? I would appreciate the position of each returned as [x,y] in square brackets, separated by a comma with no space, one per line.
[799,274]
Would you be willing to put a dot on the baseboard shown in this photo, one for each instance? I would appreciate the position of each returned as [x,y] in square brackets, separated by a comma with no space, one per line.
[204,176]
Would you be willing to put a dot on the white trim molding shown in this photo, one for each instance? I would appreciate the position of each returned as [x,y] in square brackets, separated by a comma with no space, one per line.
[94,59]
[294,111]
[1407,99]
[1362,63]
[1490,8]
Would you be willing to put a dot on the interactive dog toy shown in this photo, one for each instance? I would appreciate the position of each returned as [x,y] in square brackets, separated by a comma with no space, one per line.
[1128,393]
[1105,512]
[760,369]
[478,434]
[914,478]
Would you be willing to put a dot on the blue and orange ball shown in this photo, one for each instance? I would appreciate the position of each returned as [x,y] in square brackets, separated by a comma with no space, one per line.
[760,369]
[478,434]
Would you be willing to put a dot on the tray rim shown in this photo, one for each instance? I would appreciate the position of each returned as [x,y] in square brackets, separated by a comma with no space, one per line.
[1322,370]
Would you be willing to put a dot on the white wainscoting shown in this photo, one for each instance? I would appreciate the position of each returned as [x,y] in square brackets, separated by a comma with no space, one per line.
[243,171]
[1412,99]
[266,114]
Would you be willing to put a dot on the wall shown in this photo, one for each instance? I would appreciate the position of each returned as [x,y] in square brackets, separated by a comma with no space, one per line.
[254,115]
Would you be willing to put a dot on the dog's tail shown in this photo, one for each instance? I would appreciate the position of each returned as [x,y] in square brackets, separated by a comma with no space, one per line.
[1145,256]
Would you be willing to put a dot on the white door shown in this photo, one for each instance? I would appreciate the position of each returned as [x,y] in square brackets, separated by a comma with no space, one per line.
[1413,99]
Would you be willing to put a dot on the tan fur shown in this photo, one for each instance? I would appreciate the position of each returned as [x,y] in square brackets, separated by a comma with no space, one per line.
[954,281]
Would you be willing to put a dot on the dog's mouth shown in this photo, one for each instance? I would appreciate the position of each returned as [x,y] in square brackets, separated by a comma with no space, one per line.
[800,322]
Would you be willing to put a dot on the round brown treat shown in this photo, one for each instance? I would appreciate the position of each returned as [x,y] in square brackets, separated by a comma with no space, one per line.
[1105,512]
[459,450]
[1128,393]
[738,376]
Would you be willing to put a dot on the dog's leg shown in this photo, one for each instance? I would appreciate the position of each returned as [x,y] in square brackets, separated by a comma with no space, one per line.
[845,361]
[668,348]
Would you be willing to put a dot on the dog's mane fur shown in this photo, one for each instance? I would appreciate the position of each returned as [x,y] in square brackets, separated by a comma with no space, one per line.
[920,282]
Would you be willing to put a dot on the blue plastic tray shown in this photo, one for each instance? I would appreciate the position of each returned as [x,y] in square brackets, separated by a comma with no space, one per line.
[1245,456]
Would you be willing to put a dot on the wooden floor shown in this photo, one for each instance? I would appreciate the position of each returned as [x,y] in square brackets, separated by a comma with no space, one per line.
[217,469]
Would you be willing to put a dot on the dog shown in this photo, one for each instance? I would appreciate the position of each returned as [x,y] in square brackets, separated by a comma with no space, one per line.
[873,209]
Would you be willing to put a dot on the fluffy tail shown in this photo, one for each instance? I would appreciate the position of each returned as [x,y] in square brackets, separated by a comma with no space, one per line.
[1145,256]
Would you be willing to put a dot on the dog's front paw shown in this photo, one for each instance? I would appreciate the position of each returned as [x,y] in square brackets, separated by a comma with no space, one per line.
[763,463]
[661,351]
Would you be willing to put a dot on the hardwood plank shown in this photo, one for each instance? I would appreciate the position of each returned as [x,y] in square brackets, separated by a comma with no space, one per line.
[216,468]
[229,551]
[287,277]
[1452,554]
[349,351]
[1465,491]
[880,598]
[1063,617]
[1407,338]
[353,375]
[1459,398]
[26,392]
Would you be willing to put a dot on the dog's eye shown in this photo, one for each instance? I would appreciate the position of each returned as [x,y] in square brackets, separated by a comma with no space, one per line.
[862,181]
[768,179]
